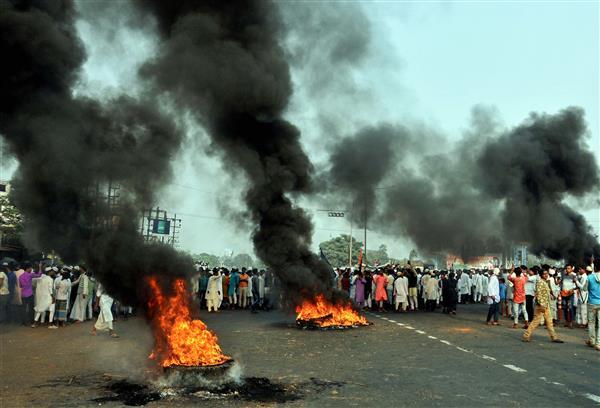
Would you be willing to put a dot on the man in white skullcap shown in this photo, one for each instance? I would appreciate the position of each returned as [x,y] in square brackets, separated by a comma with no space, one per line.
[582,296]
[44,296]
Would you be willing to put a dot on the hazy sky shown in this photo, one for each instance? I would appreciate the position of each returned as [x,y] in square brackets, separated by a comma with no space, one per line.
[427,62]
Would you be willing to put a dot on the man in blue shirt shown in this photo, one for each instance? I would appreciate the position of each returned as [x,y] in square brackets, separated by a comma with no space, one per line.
[593,287]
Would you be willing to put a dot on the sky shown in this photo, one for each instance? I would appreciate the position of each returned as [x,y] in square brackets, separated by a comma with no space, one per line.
[427,62]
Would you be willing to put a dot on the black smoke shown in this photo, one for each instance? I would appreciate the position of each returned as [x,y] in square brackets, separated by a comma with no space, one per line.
[222,62]
[492,189]
[533,168]
[67,147]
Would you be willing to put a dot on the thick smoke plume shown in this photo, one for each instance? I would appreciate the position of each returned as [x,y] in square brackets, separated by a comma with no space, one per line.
[533,168]
[222,62]
[493,189]
[67,147]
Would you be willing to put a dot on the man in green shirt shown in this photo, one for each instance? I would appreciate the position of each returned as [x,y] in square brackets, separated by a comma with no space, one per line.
[543,295]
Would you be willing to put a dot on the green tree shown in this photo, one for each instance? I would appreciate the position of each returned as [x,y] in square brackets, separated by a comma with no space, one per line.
[336,250]
[242,260]
[380,255]
[11,220]
[210,259]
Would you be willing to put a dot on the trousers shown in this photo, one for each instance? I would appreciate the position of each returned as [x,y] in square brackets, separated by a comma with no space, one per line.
[517,309]
[493,312]
[593,315]
[539,314]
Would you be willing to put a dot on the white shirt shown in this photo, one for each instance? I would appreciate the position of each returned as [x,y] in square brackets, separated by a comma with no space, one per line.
[493,289]
[530,285]
[63,289]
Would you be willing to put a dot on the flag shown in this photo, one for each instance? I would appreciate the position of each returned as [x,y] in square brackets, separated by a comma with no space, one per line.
[324,258]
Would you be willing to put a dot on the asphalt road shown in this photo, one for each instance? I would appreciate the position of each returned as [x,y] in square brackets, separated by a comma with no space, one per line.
[420,359]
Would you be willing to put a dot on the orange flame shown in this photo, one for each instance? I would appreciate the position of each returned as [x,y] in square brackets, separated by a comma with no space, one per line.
[323,313]
[180,340]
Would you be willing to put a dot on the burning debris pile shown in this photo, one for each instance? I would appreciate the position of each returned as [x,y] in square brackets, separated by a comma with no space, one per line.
[319,313]
[180,339]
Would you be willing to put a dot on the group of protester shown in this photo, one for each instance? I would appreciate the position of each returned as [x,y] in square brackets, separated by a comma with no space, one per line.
[543,295]
[63,294]
[221,288]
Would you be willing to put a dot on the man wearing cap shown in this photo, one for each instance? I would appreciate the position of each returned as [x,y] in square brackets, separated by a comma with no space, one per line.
[464,285]
[582,297]
[44,296]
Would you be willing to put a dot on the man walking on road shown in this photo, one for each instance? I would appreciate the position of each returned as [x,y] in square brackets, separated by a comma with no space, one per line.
[542,309]
[593,308]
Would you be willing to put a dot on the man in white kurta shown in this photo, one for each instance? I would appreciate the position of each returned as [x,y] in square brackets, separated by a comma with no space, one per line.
[401,291]
[581,295]
[80,304]
[213,292]
[484,286]
[105,317]
[478,279]
[261,287]
[430,289]
[44,297]
[464,287]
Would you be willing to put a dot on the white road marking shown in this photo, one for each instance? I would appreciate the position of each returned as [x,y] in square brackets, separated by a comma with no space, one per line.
[593,397]
[515,368]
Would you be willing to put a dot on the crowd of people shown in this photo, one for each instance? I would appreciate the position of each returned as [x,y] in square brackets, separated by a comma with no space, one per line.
[540,294]
[62,294]
[238,289]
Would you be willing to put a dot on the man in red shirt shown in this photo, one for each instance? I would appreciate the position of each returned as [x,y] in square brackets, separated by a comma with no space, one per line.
[518,280]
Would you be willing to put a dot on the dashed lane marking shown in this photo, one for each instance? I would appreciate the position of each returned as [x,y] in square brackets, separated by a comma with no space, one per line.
[515,368]
[512,367]
[593,397]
